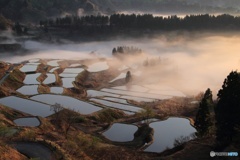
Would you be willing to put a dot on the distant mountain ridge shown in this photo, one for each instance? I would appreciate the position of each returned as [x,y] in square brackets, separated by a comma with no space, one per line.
[36,10]
[178,6]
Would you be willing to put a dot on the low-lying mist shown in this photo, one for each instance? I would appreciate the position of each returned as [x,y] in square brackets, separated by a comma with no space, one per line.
[190,62]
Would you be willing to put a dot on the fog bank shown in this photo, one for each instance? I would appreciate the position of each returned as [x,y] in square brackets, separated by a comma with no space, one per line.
[194,61]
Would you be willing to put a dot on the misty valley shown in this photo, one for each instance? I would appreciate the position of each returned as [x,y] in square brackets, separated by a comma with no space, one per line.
[115,83]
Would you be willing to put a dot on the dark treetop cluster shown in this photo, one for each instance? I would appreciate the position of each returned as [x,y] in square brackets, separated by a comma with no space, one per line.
[145,22]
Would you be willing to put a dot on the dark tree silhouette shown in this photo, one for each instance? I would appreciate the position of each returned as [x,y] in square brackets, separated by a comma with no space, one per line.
[146,23]
[56,108]
[203,120]
[18,28]
[228,109]
[128,77]
[114,51]
[125,50]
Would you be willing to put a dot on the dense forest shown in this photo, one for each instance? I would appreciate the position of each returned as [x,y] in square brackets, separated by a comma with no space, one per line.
[146,22]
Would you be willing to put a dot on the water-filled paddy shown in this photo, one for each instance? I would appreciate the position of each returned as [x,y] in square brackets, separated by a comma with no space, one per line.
[147,121]
[28,122]
[160,90]
[118,100]
[68,82]
[32,78]
[67,102]
[28,90]
[121,132]
[117,105]
[32,63]
[53,69]
[137,94]
[56,90]
[138,99]
[66,75]
[34,150]
[73,70]
[28,68]
[75,65]
[27,106]
[97,67]
[93,93]
[53,63]
[166,132]
[123,75]
[51,78]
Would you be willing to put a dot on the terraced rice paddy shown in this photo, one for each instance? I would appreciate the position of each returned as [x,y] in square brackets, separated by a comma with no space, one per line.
[56,90]
[68,82]
[32,78]
[28,68]
[121,132]
[53,69]
[120,106]
[51,78]
[73,70]
[67,102]
[166,132]
[54,63]
[27,106]
[68,75]
[28,90]
[28,122]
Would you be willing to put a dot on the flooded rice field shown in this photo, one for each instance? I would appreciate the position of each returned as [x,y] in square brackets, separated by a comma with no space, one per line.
[27,106]
[121,132]
[32,79]
[56,90]
[168,131]
[28,68]
[117,105]
[67,102]
[28,90]
[27,122]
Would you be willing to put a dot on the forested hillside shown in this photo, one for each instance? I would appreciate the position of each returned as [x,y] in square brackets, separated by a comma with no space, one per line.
[34,10]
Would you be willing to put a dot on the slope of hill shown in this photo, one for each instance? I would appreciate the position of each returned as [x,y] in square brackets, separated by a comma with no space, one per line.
[4,23]
[35,10]
[179,6]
